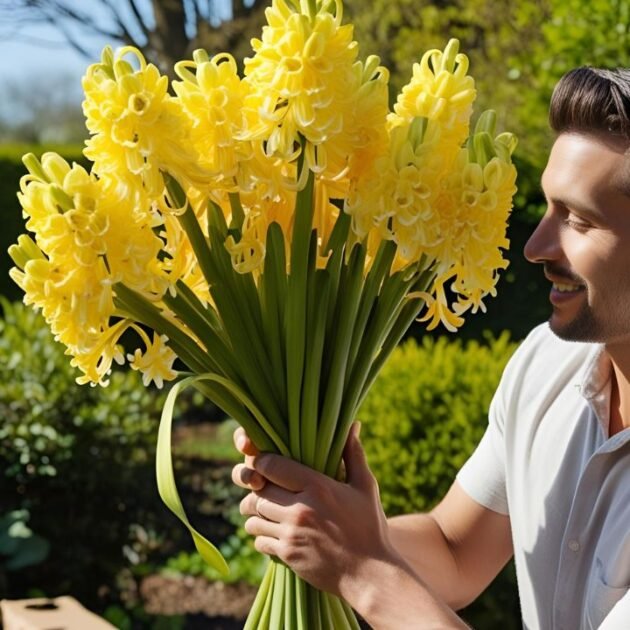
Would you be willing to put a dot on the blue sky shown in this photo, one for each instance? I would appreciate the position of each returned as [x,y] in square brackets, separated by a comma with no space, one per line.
[24,57]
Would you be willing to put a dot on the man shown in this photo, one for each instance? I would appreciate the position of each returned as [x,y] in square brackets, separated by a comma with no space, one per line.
[550,481]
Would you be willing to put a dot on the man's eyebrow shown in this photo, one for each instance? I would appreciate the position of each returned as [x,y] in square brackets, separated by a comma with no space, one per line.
[572,204]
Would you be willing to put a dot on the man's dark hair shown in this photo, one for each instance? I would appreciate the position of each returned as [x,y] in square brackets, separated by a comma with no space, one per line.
[592,100]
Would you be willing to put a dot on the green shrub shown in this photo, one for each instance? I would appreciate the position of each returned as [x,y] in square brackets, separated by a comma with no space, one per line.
[422,419]
[80,459]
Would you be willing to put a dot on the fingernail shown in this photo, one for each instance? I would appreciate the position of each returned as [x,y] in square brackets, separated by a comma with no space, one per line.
[357,429]
[240,442]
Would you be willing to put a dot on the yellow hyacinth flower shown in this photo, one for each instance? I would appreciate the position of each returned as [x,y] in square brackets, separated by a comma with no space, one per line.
[473,211]
[212,96]
[86,239]
[302,65]
[156,362]
[429,124]
[137,129]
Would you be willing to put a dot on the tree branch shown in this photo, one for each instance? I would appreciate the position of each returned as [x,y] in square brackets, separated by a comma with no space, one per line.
[60,11]
[139,19]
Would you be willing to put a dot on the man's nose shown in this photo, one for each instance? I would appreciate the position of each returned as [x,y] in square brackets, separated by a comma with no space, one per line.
[544,243]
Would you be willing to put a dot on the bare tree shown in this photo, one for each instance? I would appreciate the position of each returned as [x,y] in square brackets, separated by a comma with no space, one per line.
[164,30]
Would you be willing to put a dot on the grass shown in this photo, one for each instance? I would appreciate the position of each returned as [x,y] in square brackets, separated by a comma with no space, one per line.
[209,441]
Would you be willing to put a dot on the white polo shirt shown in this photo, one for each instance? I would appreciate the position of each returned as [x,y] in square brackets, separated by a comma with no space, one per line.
[546,460]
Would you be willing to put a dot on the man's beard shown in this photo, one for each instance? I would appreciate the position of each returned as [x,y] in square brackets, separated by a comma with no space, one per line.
[586,327]
[583,327]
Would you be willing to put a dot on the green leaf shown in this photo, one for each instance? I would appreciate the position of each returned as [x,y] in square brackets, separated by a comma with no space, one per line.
[190,225]
[350,294]
[296,310]
[219,354]
[380,268]
[164,464]
[319,291]
[272,288]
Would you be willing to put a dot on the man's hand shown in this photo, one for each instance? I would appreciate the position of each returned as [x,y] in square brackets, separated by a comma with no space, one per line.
[330,533]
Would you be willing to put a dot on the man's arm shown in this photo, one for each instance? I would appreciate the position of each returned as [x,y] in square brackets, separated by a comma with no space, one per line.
[457,549]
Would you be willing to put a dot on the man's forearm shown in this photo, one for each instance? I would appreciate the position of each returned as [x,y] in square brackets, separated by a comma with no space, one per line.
[420,541]
[389,595]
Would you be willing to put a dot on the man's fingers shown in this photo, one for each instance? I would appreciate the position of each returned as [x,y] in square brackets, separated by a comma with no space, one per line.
[267,545]
[257,526]
[358,473]
[243,443]
[245,477]
[285,472]
[271,502]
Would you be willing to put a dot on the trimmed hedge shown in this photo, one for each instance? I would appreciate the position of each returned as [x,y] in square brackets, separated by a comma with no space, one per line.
[422,419]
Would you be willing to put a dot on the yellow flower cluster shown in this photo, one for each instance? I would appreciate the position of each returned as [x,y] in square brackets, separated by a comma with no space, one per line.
[473,211]
[429,124]
[300,81]
[87,238]
[136,128]
[305,105]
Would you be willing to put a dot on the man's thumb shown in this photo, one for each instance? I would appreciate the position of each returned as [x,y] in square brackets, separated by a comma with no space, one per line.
[357,471]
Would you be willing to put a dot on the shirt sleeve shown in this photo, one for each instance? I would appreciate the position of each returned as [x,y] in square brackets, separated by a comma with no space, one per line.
[482,477]
[619,617]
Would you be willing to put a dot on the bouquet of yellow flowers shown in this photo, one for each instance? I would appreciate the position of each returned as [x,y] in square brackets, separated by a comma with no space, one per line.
[277,232]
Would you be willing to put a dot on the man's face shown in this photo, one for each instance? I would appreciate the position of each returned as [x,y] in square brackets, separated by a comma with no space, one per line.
[584,238]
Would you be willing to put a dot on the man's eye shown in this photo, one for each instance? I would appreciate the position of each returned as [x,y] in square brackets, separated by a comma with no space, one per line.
[576,223]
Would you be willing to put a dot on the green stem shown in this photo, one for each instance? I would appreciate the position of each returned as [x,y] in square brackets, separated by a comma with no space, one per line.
[242,317]
[380,268]
[340,620]
[296,307]
[277,605]
[218,353]
[319,291]
[350,616]
[314,609]
[388,303]
[147,313]
[409,313]
[289,602]
[301,608]
[272,293]
[256,611]
[238,215]
[265,616]
[205,310]
[350,296]
[190,225]
[312,8]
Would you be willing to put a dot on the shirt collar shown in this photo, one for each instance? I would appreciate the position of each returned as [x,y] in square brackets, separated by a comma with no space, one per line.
[596,386]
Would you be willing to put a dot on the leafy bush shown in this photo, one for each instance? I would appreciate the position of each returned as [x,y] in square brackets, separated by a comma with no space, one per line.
[79,459]
[421,420]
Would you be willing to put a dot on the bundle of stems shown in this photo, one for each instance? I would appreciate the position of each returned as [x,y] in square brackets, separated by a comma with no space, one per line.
[290,356]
